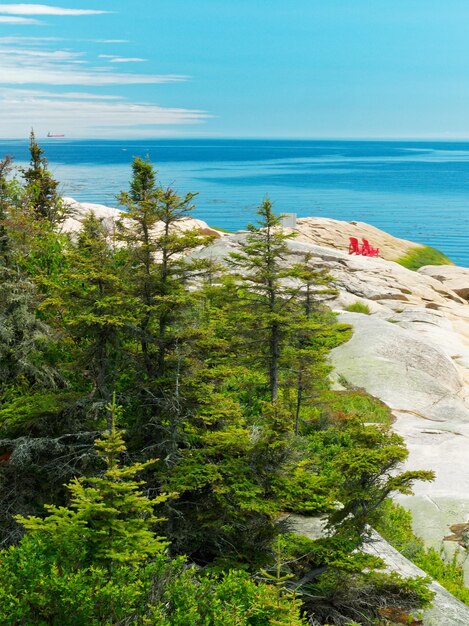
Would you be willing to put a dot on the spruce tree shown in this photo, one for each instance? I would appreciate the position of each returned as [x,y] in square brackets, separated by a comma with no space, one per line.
[41,188]
[23,335]
[5,203]
[263,301]
[158,272]
[151,230]
[314,332]
[91,301]
[108,515]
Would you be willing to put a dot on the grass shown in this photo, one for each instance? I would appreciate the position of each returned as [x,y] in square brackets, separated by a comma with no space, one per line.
[358,307]
[222,230]
[418,257]
[395,526]
[358,403]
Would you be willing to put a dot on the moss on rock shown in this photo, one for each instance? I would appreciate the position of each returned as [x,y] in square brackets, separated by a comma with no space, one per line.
[425,255]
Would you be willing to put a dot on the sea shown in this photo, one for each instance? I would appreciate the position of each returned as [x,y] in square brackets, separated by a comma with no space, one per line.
[412,189]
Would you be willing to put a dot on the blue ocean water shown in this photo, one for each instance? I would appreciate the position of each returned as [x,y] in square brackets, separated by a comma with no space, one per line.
[415,190]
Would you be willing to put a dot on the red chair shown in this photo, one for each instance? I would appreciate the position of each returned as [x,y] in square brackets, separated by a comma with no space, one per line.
[354,246]
[368,250]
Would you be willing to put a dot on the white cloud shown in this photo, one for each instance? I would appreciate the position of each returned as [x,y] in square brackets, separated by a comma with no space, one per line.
[21,94]
[27,55]
[26,41]
[115,59]
[84,115]
[110,40]
[30,68]
[62,76]
[6,19]
[44,9]
[22,66]
[127,60]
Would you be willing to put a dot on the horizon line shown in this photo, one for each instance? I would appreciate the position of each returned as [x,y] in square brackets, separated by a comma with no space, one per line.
[247,138]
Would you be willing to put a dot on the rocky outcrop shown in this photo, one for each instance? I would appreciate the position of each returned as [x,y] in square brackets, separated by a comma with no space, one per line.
[109,216]
[452,276]
[335,234]
[404,370]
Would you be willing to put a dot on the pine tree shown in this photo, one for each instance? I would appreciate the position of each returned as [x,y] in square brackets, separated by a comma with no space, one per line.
[263,310]
[41,188]
[23,335]
[108,515]
[151,230]
[91,301]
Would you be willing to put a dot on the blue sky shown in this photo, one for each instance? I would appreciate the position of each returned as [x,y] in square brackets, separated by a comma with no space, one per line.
[236,68]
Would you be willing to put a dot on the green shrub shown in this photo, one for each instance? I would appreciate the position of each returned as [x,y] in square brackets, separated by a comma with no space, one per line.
[358,307]
[418,257]
[34,590]
[395,526]
[33,413]
[356,403]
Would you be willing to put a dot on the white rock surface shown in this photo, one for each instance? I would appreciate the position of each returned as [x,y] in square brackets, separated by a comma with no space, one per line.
[110,216]
[331,233]
[452,276]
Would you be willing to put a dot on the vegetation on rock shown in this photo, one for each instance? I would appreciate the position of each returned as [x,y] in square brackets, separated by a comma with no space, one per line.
[358,307]
[424,255]
[122,353]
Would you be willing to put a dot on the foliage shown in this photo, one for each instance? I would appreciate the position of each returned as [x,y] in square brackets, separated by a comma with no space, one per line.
[423,255]
[108,521]
[23,335]
[395,525]
[339,588]
[362,460]
[41,189]
[356,403]
[89,563]
[33,412]
[223,376]
[367,598]
[358,307]
[34,591]
[90,302]
[265,311]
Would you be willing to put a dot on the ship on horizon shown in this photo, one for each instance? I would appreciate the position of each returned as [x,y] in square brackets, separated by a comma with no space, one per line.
[54,135]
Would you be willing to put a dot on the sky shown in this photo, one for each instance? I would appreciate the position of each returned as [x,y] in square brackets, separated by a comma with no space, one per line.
[235,68]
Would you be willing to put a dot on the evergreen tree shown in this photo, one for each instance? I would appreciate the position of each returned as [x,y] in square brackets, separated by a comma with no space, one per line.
[157,274]
[41,188]
[365,472]
[23,335]
[151,228]
[5,202]
[91,302]
[108,515]
[314,332]
[264,302]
